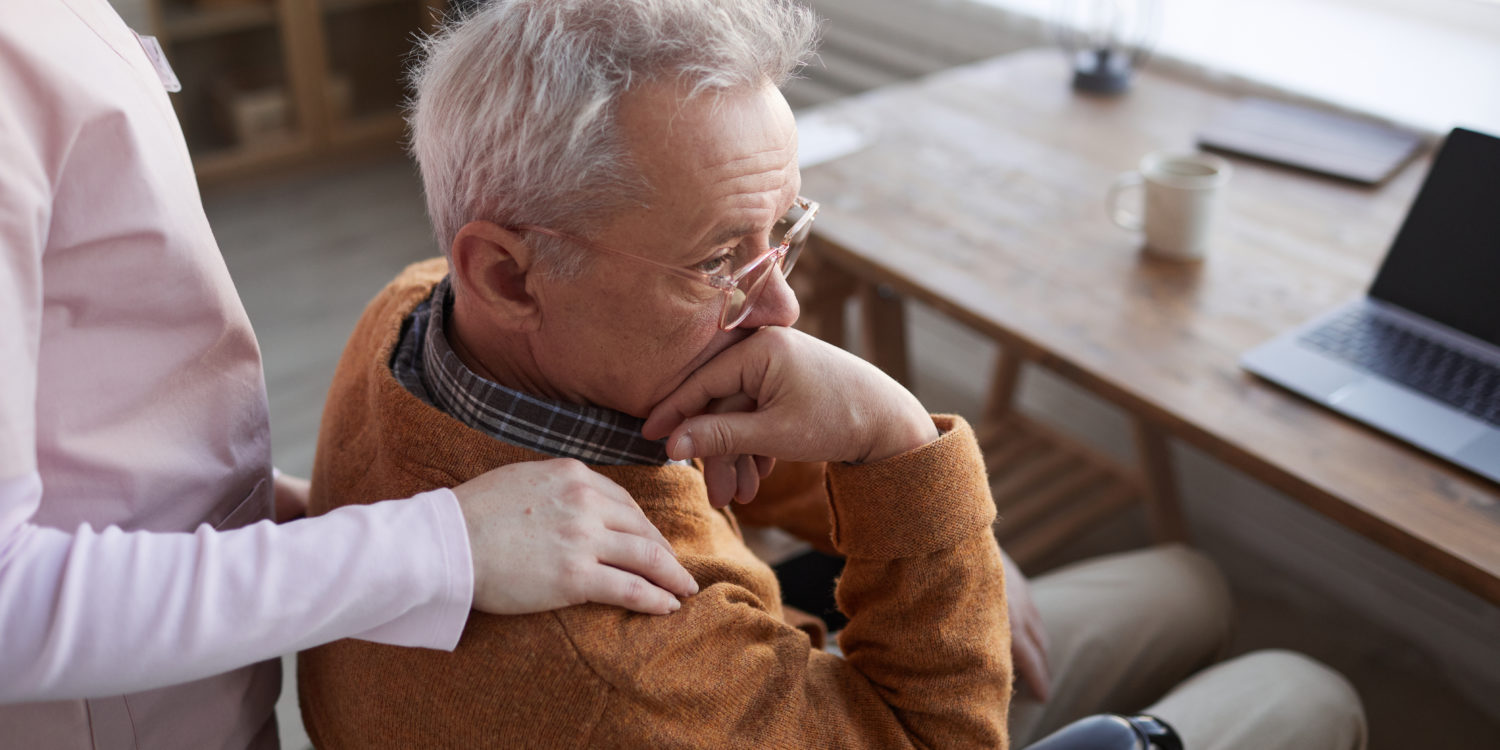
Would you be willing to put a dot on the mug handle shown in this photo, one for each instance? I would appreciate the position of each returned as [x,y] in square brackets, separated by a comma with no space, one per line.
[1126,219]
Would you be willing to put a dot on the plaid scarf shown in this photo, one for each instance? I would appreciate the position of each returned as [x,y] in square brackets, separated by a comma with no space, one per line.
[426,365]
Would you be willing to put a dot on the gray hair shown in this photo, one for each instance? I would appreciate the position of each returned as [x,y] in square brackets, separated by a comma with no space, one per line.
[514,118]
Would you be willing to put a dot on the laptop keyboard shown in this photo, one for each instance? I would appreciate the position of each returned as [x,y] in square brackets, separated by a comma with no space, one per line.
[1407,357]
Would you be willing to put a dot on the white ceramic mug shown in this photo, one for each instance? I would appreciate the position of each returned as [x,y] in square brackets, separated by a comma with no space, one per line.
[1182,196]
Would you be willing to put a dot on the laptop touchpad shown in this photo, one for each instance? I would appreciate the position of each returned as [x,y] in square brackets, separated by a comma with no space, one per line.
[1482,452]
[1408,415]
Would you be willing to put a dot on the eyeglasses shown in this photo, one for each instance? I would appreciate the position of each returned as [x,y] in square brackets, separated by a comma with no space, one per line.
[742,285]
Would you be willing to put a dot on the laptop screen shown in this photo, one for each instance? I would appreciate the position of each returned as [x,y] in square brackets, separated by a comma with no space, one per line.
[1445,263]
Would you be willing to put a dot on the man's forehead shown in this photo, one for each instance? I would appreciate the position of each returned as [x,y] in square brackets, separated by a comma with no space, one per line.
[744,137]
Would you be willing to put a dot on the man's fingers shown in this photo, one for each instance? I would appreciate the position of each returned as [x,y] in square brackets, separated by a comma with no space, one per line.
[734,371]
[607,585]
[764,465]
[718,475]
[690,399]
[647,559]
[747,479]
[719,435]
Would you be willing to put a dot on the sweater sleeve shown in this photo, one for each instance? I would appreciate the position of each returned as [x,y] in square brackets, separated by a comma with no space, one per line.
[927,646]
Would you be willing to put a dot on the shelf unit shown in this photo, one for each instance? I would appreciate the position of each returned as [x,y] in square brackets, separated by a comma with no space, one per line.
[273,83]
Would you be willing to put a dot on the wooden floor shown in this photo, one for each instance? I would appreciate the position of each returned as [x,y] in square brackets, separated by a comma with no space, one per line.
[307,251]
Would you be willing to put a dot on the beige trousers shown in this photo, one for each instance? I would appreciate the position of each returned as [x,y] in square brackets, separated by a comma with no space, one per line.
[1142,631]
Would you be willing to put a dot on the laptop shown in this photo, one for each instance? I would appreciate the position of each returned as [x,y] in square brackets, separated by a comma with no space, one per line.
[1419,355]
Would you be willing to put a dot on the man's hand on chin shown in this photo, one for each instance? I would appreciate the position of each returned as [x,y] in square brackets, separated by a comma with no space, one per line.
[734,477]
[783,394]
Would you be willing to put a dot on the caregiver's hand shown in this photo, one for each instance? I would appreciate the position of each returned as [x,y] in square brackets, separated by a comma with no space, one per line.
[549,534]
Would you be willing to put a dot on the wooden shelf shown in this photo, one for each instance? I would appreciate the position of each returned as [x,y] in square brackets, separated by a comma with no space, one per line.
[369,130]
[181,23]
[326,62]
[238,161]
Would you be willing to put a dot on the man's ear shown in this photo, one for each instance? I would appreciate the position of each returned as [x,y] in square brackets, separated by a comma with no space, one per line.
[491,266]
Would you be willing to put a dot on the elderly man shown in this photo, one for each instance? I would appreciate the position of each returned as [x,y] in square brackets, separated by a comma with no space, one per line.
[615,185]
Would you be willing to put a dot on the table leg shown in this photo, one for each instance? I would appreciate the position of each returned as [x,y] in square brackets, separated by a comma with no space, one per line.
[822,288]
[1163,505]
[882,331]
[995,425]
[1003,386]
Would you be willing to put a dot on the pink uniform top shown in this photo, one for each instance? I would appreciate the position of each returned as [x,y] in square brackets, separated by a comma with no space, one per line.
[143,592]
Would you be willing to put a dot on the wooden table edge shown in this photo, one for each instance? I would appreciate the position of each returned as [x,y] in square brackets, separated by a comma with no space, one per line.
[1387,534]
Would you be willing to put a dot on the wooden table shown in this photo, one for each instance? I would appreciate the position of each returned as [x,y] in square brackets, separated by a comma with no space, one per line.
[982,195]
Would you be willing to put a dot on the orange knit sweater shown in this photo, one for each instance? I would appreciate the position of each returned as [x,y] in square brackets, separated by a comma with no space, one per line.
[927,647]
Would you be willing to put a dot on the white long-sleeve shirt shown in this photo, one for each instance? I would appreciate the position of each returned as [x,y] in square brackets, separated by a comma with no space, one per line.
[143,593]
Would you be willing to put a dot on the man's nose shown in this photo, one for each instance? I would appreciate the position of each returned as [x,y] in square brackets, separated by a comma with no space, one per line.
[777,305]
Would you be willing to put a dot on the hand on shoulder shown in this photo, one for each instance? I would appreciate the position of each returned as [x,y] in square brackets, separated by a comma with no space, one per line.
[550,534]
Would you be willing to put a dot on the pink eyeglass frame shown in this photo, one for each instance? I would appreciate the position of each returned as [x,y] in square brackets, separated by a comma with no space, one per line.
[727,284]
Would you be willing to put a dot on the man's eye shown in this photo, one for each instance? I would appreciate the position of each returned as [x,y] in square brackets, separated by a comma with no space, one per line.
[719,265]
